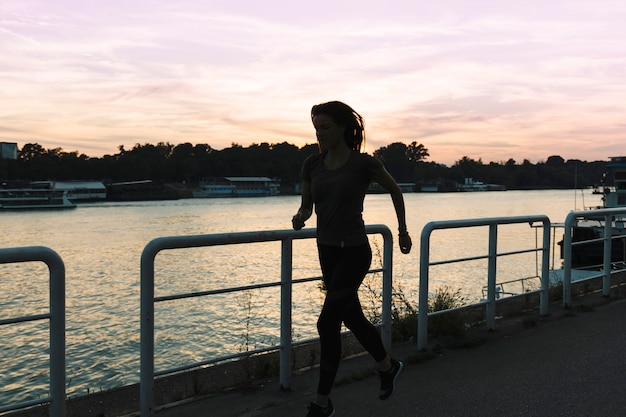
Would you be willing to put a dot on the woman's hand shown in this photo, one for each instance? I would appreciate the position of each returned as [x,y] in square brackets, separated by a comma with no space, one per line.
[298,220]
[306,207]
[405,242]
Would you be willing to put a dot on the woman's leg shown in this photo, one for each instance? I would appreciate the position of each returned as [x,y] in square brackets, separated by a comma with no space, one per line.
[343,270]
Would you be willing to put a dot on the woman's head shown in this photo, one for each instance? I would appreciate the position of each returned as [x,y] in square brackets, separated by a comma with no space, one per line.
[344,116]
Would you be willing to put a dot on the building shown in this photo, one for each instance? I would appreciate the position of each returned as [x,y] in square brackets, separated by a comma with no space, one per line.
[8,150]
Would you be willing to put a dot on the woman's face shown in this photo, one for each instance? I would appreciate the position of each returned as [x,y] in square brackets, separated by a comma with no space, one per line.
[329,134]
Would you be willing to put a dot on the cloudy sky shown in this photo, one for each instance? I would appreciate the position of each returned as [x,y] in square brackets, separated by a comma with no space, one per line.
[484,79]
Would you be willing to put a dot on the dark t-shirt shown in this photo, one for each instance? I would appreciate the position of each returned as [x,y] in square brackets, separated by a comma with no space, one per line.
[338,197]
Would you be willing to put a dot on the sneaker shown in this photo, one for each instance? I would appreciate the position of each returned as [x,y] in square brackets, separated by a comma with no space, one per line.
[316,410]
[388,379]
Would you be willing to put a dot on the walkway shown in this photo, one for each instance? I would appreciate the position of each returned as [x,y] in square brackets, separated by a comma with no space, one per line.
[571,363]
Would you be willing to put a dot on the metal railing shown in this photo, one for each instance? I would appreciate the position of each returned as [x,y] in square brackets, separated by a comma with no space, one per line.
[524,284]
[56,316]
[491,256]
[286,237]
[604,215]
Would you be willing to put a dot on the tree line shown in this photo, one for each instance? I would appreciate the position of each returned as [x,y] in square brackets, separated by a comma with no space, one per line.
[188,163]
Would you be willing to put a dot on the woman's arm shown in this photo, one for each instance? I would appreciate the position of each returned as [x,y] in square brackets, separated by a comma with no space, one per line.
[384,178]
[306,207]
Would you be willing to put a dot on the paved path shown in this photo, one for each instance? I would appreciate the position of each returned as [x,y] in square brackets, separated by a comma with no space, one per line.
[572,363]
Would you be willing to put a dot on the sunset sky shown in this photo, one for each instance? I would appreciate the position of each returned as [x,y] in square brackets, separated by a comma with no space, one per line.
[484,79]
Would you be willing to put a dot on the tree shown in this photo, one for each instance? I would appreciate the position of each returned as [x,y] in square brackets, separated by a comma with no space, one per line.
[285,162]
[396,160]
[190,163]
[468,168]
[416,152]
[31,151]
[555,161]
[184,163]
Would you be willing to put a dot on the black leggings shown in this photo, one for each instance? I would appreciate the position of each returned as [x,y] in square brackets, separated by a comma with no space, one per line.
[343,270]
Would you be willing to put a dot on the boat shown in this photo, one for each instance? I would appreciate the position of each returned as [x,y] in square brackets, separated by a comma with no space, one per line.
[591,231]
[141,190]
[237,187]
[77,191]
[34,199]
[470,185]
[206,190]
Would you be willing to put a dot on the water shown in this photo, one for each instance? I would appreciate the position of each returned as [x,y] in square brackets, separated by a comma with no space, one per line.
[101,245]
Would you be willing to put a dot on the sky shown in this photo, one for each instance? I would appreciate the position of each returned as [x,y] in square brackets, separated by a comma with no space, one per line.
[488,80]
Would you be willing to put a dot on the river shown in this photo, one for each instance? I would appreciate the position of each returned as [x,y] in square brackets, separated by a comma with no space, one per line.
[101,245]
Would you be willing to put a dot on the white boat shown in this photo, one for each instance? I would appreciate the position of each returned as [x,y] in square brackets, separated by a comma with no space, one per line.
[77,191]
[471,185]
[34,199]
[207,190]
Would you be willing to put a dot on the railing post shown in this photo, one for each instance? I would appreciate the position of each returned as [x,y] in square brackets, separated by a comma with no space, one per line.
[422,315]
[567,260]
[286,265]
[57,333]
[544,298]
[146,369]
[608,252]
[387,324]
[491,276]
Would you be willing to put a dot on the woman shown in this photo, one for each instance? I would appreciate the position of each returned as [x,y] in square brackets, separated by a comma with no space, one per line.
[336,181]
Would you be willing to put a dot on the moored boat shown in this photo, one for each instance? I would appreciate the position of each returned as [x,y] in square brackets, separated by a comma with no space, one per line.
[77,191]
[34,199]
[591,231]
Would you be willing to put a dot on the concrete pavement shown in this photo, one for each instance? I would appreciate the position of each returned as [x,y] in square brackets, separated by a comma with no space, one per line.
[571,363]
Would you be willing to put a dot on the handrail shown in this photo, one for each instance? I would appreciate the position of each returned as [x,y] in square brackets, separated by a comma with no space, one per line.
[56,316]
[492,255]
[286,237]
[606,215]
